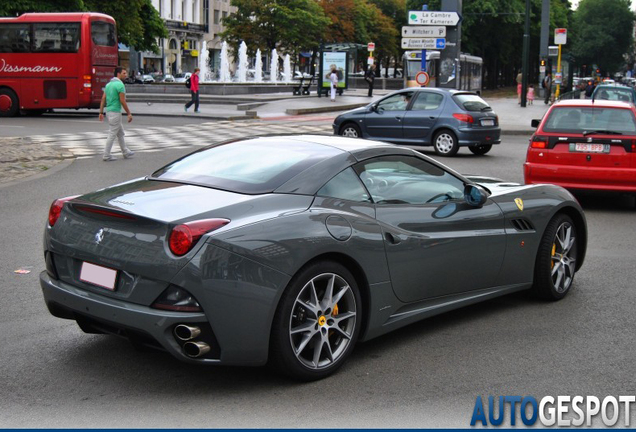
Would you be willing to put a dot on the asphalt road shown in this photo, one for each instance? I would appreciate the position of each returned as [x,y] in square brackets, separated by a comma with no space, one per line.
[426,375]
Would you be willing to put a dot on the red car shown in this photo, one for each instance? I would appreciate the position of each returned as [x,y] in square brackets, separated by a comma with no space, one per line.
[584,144]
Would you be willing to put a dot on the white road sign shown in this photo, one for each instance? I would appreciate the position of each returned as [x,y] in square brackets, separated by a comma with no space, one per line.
[434,18]
[423,43]
[424,31]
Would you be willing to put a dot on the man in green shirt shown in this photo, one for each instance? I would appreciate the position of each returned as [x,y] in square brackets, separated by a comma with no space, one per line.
[114,98]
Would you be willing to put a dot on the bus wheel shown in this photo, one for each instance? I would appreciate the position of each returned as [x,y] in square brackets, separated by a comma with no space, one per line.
[8,103]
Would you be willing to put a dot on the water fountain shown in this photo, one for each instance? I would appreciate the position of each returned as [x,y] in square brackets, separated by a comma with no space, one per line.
[204,75]
[241,70]
[287,69]
[273,67]
[224,73]
[258,73]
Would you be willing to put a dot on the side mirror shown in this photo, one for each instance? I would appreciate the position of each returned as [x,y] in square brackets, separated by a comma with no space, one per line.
[373,107]
[475,196]
[535,123]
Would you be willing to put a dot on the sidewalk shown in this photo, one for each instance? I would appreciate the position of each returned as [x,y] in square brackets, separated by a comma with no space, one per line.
[513,119]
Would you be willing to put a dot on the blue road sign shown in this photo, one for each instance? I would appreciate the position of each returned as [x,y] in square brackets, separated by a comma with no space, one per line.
[440,43]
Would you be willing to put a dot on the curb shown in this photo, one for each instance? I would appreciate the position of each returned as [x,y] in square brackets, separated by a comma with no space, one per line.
[300,111]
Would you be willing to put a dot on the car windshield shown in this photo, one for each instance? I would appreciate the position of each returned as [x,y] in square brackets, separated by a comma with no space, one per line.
[471,102]
[614,93]
[250,167]
[588,119]
[180,75]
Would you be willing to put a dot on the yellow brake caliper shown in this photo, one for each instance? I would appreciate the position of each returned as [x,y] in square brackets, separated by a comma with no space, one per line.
[334,313]
[553,254]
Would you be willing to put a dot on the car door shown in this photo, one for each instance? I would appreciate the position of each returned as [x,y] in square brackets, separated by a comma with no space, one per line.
[384,121]
[435,243]
[420,119]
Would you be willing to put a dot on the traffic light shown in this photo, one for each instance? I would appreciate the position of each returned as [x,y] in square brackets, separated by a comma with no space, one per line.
[542,62]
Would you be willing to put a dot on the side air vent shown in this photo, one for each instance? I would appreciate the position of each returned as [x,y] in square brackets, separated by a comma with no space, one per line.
[522,225]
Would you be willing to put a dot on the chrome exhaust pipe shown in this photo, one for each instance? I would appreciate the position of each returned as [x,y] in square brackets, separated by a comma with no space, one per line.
[185,333]
[195,349]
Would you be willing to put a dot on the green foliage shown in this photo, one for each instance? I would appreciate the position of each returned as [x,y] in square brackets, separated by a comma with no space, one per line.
[293,25]
[138,22]
[603,33]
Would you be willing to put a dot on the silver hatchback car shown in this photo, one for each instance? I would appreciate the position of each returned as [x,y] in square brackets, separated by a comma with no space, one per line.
[444,118]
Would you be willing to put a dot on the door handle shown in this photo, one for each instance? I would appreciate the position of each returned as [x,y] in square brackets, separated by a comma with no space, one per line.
[392,239]
[432,118]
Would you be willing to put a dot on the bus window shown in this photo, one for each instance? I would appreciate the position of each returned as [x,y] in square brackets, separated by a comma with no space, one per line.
[103,33]
[15,38]
[56,37]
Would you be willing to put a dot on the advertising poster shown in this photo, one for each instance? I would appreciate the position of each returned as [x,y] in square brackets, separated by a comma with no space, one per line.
[337,60]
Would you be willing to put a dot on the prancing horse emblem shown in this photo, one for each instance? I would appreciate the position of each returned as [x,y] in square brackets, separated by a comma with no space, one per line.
[519,203]
[99,236]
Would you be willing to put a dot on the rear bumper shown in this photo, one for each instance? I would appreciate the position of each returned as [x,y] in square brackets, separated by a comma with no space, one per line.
[471,137]
[581,177]
[121,318]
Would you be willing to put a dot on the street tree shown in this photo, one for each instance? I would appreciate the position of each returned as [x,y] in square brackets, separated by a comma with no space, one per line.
[603,33]
[138,22]
[290,25]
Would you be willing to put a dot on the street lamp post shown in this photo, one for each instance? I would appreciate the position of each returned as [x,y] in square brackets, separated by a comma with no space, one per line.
[526,54]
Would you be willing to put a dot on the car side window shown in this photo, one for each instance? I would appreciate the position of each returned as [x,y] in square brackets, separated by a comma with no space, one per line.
[408,180]
[345,185]
[427,101]
[396,102]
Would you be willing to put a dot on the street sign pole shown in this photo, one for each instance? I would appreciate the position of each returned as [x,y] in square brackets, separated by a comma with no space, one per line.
[423,68]
[526,55]
[558,86]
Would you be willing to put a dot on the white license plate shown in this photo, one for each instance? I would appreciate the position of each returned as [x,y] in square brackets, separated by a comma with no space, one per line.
[98,275]
[590,148]
[488,122]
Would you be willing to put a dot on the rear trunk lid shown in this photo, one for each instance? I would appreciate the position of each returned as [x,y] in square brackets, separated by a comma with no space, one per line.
[126,228]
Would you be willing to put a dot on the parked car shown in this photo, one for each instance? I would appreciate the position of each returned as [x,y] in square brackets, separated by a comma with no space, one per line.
[144,79]
[290,249]
[166,78]
[584,144]
[614,92]
[182,77]
[443,118]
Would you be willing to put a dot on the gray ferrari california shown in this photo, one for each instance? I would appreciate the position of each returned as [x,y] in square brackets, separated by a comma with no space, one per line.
[292,249]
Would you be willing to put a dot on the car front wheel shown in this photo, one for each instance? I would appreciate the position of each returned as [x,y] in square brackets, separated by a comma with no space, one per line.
[445,143]
[480,149]
[350,130]
[556,259]
[317,323]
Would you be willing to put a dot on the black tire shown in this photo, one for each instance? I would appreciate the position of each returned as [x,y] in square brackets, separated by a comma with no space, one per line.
[480,150]
[445,143]
[311,341]
[556,259]
[351,130]
[9,104]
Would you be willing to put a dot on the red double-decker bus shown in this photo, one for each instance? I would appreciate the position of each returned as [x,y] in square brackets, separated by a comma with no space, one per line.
[55,60]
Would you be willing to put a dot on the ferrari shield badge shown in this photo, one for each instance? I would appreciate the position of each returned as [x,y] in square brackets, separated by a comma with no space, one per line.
[519,203]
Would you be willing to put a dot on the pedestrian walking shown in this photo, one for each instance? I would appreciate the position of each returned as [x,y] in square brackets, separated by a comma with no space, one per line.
[519,86]
[113,99]
[333,77]
[369,77]
[589,89]
[194,91]
[530,94]
[547,86]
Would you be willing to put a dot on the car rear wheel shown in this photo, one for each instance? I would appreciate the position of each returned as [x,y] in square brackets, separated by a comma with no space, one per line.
[350,130]
[317,323]
[480,149]
[8,103]
[445,143]
[556,259]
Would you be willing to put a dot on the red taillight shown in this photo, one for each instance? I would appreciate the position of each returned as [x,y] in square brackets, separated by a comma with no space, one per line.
[56,209]
[538,142]
[183,237]
[467,118]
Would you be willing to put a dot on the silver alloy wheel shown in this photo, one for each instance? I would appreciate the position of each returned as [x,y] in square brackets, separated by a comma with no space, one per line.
[350,131]
[563,259]
[323,321]
[444,143]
